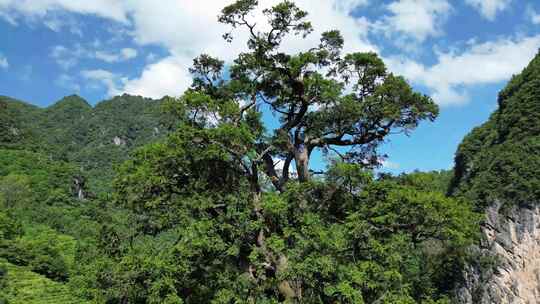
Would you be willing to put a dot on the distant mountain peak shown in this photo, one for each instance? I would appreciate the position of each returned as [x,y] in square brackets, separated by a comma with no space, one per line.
[72,100]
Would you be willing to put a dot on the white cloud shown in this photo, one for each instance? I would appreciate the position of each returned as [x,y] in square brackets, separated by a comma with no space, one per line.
[57,22]
[349,5]
[64,57]
[110,57]
[168,76]
[418,19]
[67,58]
[534,16]
[189,28]
[157,80]
[128,53]
[15,9]
[201,33]
[107,57]
[482,63]
[489,8]
[67,82]
[8,18]
[54,24]
[4,64]
[102,77]
[386,164]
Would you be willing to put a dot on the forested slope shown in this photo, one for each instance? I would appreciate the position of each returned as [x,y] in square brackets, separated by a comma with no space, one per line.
[498,169]
[500,160]
[47,158]
[71,130]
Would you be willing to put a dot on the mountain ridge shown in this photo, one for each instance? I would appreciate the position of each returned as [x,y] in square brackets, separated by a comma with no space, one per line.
[72,130]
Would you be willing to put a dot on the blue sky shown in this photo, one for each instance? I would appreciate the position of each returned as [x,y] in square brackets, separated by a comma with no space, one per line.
[461,52]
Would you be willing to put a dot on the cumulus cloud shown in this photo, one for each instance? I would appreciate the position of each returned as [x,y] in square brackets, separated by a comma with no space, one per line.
[157,80]
[191,28]
[4,64]
[168,76]
[185,29]
[489,8]
[418,19]
[481,63]
[201,33]
[348,6]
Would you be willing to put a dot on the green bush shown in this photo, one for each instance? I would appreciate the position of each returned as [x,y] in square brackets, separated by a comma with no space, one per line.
[9,228]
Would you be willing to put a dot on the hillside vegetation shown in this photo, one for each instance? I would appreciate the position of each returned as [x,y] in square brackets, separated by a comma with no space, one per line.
[71,130]
[500,160]
[198,199]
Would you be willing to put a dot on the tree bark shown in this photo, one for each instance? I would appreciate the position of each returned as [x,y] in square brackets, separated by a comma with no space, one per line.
[277,264]
[301,157]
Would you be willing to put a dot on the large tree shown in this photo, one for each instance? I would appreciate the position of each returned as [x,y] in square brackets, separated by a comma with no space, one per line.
[323,99]
[204,191]
[347,104]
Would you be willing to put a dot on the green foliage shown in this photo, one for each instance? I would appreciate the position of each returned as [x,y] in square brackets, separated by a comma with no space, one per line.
[26,287]
[43,250]
[9,227]
[322,100]
[346,239]
[499,160]
[205,207]
[71,130]
[15,118]
[22,172]
[438,181]
[3,283]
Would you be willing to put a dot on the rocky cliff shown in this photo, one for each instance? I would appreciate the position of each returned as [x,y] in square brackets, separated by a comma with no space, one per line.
[498,169]
[512,237]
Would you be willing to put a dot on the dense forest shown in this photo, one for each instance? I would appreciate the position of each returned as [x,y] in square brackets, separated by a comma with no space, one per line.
[198,199]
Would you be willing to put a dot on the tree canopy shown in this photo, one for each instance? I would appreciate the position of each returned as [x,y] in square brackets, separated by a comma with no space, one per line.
[225,217]
[322,99]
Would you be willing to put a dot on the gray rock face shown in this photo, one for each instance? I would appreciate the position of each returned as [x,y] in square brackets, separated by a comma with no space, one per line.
[119,141]
[513,237]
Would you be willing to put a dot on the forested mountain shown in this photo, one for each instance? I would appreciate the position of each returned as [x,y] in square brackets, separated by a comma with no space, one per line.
[197,199]
[71,130]
[53,162]
[498,170]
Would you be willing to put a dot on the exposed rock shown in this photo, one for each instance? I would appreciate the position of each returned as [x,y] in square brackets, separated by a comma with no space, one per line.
[498,170]
[14,131]
[78,187]
[513,237]
[119,141]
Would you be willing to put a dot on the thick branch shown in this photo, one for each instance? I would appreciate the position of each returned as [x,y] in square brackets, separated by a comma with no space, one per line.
[271,171]
[365,138]
[246,107]
[286,166]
